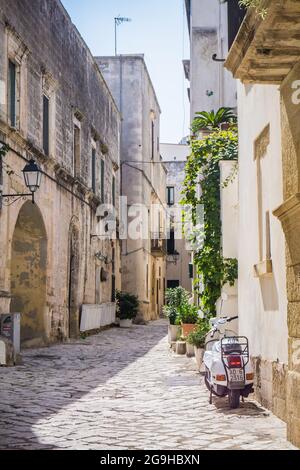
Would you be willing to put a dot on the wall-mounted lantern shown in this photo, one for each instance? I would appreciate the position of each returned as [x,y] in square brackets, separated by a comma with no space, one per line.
[32,177]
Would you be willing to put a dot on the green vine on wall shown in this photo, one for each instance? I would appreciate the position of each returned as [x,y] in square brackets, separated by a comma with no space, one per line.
[213,271]
[4,149]
[257,5]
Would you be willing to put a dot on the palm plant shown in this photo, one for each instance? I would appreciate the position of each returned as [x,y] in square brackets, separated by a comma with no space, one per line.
[211,120]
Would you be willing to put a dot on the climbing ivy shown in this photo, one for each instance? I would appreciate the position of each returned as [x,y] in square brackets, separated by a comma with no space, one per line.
[257,5]
[4,148]
[212,270]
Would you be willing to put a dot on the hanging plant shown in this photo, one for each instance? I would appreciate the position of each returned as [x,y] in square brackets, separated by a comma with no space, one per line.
[212,269]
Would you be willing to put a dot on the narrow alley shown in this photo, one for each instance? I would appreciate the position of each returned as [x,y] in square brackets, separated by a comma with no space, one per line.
[123,389]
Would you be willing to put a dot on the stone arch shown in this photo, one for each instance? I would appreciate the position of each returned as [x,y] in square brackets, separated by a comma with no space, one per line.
[29,274]
[73,302]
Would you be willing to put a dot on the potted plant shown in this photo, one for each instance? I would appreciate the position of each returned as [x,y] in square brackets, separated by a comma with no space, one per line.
[197,339]
[189,317]
[176,298]
[174,326]
[127,308]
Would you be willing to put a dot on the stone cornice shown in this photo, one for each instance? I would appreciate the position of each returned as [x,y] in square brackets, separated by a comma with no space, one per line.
[265,50]
[288,209]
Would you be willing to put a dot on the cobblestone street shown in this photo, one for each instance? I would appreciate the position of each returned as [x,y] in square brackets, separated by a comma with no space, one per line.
[123,389]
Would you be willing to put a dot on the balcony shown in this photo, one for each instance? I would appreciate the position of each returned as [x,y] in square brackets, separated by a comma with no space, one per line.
[266,50]
[158,244]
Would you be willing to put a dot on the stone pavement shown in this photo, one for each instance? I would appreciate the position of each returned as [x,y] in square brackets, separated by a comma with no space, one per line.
[123,389]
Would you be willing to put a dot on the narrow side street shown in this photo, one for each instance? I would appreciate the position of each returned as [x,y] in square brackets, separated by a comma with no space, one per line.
[123,389]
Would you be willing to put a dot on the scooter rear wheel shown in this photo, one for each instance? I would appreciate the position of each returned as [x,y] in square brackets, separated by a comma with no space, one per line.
[234,399]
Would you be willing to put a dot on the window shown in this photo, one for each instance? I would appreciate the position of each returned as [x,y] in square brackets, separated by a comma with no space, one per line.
[46,124]
[113,288]
[113,260]
[170,195]
[152,139]
[171,243]
[12,93]
[102,179]
[172,284]
[113,189]
[94,169]
[147,281]
[76,149]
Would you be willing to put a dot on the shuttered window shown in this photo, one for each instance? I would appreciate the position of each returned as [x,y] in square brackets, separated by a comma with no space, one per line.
[102,180]
[12,93]
[152,140]
[113,191]
[171,243]
[94,170]
[76,150]
[170,195]
[46,124]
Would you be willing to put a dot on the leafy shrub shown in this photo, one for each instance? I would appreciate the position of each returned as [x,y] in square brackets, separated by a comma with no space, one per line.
[127,305]
[171,313]
[176,298]
[189,314]
[197,337]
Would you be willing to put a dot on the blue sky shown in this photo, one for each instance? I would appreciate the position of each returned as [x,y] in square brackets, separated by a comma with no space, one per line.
[159,30]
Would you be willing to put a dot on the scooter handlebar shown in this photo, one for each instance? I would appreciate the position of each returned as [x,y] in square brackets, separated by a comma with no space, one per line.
[232,318]
[213,332]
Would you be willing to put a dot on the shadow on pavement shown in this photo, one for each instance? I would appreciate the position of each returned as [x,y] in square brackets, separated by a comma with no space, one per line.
[53,378]
[246,409]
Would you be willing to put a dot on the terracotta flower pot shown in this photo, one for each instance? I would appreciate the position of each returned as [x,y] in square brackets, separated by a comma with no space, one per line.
[187,328]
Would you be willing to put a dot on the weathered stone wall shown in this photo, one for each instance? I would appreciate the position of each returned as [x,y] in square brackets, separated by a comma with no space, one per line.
[271,385]
[289,215]
[53,58]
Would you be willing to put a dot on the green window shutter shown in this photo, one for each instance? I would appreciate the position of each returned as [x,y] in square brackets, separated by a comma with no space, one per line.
[94,170]
[46,124]
[114,191]
[12,93]
[102,179]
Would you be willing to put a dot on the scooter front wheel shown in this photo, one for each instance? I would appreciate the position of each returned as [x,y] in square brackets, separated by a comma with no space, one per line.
[234,398]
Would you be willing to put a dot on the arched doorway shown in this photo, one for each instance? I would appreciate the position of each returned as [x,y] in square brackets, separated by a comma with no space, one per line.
[73,281]
[28,274]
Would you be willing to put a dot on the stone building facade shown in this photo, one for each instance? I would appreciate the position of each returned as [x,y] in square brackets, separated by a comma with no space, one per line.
[143,179]
[56,108]
[178,249]
[265,57]
[211,86]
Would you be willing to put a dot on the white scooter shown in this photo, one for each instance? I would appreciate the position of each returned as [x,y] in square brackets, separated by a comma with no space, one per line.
[228,370]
